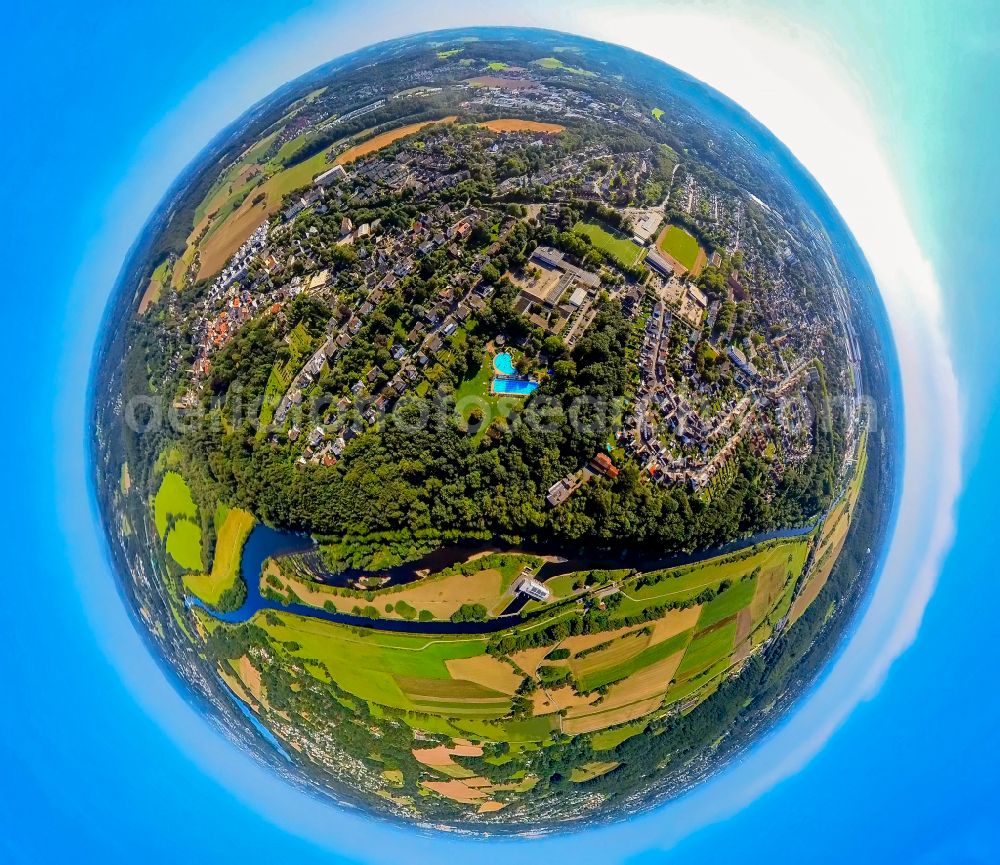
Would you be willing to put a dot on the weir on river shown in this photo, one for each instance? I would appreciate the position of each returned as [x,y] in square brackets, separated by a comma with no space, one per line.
[265,542]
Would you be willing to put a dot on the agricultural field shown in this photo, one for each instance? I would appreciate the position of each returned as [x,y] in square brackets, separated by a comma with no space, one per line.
[173,500]
[685,583]
[155,285]
[184,544]
[589,771]
[832,536]
[400,671]
[611,739]
[682,248]
[485,581]
[216,237]
[708,647]
[505,124]
[602,682]
[621,248]
[556,65]
[232,527]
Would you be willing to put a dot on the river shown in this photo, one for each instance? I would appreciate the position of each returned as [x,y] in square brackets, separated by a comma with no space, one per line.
[265,542]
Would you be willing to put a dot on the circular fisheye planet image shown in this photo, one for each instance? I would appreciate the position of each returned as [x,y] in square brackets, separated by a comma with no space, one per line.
[495,431]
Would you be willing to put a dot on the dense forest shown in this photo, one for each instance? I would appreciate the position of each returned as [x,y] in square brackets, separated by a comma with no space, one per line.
[418,474]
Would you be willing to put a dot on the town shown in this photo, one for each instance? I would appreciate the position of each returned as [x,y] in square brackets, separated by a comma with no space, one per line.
[692,260]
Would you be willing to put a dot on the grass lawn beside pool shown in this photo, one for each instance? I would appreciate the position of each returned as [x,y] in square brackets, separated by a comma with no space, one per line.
[233,529]
[475,393]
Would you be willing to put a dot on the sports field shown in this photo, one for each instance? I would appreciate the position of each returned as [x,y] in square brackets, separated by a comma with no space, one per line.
[682,248]
[621,248]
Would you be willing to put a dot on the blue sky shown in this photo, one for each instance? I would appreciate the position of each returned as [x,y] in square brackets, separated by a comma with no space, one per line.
[104,761]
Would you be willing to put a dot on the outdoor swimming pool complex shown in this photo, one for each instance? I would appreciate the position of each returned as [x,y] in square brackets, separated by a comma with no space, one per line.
[514,386]
[506,381]
[504,364]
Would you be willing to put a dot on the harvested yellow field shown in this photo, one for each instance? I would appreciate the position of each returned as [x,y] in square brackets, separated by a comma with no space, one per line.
[486,670]
[309,593]
[821,573]
[587,641]
[770,585]
[250,677]
[491,807]
[507,124]
[531,659]
[648,682]
[742,651]
[622,649]
[673,623]
[457,790]
[442,754]
[151,294]
[442,596]
[547,701]
[744,625]
[236,686]
[610,718]
[229,237]
[377,142]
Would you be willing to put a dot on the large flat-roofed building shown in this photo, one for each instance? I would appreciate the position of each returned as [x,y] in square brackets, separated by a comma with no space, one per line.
[659,263]
[331,176]
[555,260]
[548,256]
[532,588]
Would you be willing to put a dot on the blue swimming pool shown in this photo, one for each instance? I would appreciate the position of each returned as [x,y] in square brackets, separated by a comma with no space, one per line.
[504,364]
[514,386]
